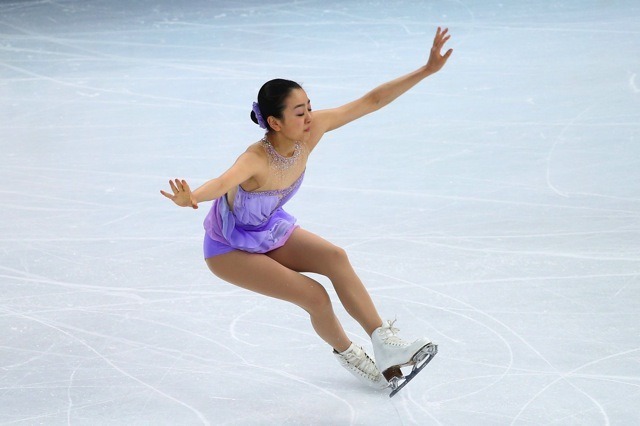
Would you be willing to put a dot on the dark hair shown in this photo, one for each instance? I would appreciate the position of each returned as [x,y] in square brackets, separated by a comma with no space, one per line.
[271,98]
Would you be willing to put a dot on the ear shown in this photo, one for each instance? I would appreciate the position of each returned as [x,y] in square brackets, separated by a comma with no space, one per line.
[274,123]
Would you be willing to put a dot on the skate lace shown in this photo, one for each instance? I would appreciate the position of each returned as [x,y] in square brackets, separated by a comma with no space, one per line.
[360,360]
[389,334]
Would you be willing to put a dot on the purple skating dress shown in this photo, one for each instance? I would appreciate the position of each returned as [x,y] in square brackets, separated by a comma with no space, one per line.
[257,223]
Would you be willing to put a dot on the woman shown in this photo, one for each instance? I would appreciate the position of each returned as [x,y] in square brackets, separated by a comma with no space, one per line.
[250,241]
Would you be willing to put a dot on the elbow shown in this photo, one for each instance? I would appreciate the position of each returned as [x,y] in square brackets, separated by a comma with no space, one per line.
[374,101]
[373,98]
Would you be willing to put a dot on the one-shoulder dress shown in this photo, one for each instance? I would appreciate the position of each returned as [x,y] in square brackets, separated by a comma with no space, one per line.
[256,224]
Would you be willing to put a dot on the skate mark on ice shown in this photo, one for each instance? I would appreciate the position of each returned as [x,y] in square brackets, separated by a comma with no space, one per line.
[501,376]
[171,101]
[557,141]
[419,237]
[569,374]
[127,292]
[407,394]
[234,323]
[455,198]
[35,355]
[479,311]
[498,378]
[193,334]
[69,398]
[563,254]
[107,361]
[97,55]
[292,377]
[507,368]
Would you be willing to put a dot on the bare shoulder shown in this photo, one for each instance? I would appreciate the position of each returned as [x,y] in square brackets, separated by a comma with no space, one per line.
[255,152]
[254,164]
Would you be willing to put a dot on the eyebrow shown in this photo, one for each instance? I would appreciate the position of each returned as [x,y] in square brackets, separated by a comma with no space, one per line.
[301,105]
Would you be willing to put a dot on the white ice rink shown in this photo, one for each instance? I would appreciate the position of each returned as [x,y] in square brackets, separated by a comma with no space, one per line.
[495,208]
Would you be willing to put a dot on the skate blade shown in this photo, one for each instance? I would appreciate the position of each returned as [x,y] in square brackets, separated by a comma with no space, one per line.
[420,360]
[429,349]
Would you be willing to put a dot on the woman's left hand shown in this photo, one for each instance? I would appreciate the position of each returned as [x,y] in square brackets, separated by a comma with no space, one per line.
[436,59]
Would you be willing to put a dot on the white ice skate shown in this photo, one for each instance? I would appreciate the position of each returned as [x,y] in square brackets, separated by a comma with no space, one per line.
[391,352]
[356,360]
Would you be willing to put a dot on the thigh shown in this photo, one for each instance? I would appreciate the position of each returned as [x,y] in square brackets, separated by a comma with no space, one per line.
[305,251]
[261,274]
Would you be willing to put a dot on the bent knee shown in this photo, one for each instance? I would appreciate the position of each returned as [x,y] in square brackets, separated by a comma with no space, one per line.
[337,255]
[317,300]
[334,262]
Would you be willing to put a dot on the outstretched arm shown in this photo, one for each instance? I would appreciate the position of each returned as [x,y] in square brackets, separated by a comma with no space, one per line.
[243,169]
[331,119]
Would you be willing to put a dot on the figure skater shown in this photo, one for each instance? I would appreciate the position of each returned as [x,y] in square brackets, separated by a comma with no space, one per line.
[250,241]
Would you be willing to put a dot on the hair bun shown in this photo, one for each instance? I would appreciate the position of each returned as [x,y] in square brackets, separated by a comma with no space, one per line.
[257,113]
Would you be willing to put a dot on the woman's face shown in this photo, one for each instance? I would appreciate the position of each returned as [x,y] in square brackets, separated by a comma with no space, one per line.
[296,117]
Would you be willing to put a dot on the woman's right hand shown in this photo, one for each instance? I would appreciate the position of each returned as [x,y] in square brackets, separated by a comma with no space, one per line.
[182,194]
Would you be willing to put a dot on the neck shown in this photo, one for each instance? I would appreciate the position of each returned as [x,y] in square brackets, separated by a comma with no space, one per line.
[282,144]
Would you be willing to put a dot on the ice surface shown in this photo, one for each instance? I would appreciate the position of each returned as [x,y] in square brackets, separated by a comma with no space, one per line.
[495,208]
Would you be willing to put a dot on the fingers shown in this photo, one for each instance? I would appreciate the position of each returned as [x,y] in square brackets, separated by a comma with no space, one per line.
[186,188]
[439,34]
[173,187]
[177,186]
[441,38]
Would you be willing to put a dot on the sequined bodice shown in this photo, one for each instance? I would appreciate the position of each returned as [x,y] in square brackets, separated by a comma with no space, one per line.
[253,208]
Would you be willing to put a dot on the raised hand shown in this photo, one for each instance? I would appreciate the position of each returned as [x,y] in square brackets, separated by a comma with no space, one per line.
[182,195]
[436,59]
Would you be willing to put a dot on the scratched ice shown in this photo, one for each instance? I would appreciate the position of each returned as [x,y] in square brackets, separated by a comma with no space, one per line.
[495,208]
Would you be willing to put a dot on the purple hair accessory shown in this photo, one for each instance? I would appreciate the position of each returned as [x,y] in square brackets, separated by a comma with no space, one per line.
[256,111]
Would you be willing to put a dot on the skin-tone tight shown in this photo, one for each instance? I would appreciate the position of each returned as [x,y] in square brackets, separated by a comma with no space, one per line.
[278,274]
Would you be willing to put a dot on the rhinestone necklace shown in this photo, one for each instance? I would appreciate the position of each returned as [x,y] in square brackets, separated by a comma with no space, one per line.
[280,162]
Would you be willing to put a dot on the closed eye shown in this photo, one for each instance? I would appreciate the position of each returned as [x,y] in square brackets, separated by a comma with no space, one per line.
[302,105]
